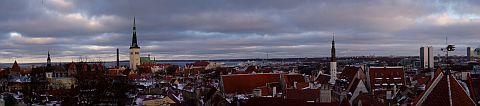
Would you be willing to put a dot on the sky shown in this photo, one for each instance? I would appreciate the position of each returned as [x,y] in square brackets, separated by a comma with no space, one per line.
[227,29]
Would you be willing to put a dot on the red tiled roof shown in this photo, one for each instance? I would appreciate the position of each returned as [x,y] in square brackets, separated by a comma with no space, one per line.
[251,69]
[366,100]
[303,94]
[473,85]
[349,73]
[345,102]
[245,83]
[353,85]
[266,70]
[445,90]
[263,101]
[266,91]
[459,96]
[133,76]
[322,79]
[291,78]
[386,75]
[301,85]
[422,79]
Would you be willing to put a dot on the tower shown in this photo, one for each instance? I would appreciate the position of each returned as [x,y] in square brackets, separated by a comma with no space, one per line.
[426,57]
[134,49]
[333,63]
[49,61]
[118,59]
[49,69]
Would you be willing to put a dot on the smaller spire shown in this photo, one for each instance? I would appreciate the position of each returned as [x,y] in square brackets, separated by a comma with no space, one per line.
[333,37]
[49,61]
[134,36]
[134,26]
[333,55]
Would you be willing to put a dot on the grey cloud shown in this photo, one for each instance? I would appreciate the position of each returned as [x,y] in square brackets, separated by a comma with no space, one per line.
[212,29]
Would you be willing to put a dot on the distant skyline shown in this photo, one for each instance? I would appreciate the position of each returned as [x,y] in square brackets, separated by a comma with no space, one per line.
[228,29]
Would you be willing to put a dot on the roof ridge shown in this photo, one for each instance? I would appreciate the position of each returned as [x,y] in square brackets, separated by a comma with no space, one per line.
[449,90]
[429,90]
[462,89]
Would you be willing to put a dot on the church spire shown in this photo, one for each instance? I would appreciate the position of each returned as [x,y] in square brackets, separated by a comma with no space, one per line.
[134,39]
[333,63]
[49,61]
[333,58]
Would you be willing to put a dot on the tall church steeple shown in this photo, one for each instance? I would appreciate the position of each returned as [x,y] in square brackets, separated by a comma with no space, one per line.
[49,61]
[333,63]
[134,38]
[333,58]
[134,49]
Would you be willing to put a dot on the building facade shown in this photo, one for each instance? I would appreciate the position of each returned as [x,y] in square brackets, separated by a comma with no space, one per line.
[473,53]
[426,57]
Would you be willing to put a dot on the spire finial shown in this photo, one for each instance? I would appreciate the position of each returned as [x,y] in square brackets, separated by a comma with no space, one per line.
[134,37]
[333,57]
[333,36]
[49,61]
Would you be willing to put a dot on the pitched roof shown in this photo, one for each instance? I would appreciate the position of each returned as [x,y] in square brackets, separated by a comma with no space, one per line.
[386,75]
[445,89]
[365,99]
[349,73]
[474,85]
[345,102]
[291,78]
[322,79]
[353,85]
[15,67]
[245,83]
[266,101]
[251,69]
[303,94]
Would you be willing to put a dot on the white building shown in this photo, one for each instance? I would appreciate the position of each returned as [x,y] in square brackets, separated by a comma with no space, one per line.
[473,53]
[426,57]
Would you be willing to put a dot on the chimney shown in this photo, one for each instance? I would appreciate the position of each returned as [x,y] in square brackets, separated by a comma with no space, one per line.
[118,60]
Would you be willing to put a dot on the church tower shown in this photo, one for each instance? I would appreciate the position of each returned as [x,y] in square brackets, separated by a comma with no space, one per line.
[49,61]
[49,68]
[134,49]
[333,63]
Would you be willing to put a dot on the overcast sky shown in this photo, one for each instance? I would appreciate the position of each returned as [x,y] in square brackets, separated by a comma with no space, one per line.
[219,29]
